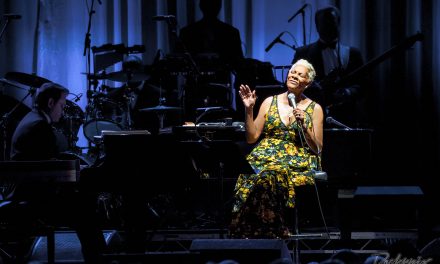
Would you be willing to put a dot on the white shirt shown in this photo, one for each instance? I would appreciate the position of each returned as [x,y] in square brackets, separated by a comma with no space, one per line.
[331,59]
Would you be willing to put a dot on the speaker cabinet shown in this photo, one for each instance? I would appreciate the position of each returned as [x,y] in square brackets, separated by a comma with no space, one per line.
[386,207]
[241,250]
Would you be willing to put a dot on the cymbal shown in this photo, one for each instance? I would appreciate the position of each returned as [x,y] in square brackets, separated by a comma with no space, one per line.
[226,86]
[160,108]
[94,76]
[14,84]
[123,76]
[26,79]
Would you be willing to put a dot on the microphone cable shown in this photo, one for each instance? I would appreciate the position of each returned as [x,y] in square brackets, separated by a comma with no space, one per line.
[302,138]
[196,130]
[206,110]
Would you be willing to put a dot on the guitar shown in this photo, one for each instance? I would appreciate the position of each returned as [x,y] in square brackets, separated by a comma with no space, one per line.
[337,78]
[407,43]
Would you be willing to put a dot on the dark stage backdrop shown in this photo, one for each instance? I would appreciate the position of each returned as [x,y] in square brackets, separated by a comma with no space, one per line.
[49,41]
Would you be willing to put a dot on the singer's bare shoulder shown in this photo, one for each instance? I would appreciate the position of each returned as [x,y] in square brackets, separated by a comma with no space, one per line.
[265,105]
[318,108]
[267,102]
[318,112]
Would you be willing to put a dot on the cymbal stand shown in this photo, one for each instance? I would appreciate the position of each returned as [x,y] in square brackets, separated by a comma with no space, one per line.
[87,52]
[5,120]
[128,95]
[161,114]
[162,100]
[128,101]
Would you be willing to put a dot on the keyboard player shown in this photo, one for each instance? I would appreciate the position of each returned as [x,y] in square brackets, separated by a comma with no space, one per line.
[35,139]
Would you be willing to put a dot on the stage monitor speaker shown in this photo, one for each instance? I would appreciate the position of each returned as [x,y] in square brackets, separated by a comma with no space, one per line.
[432,250]
[241,250]
[67,247]
[386,207]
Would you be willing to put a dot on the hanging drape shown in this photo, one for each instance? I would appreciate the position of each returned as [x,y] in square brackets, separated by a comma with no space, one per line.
[49,40]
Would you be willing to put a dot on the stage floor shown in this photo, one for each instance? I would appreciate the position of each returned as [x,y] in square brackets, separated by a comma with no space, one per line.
[204,245]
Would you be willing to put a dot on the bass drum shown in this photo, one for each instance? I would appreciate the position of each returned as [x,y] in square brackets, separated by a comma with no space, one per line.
[103,114]
[94,127]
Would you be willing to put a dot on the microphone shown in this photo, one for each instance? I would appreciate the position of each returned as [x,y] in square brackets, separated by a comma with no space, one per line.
[276,40]
[12,16]
[292,101]
[298,12]
[331,120]
[78,97]
[163,17]
[320,175]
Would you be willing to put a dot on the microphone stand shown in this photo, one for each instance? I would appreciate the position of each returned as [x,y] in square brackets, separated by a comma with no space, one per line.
[176,44]
[4,28]
[5,120]
[86,53]
[287,45]
[205,112]
[303,26]
[87,42]
[319,175]
[302,12]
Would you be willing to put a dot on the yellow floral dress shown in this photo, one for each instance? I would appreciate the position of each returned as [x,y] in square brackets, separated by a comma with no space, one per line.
[281,161]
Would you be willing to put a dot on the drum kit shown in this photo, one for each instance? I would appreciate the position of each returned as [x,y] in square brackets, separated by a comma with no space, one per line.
[111,108]
[108,108]
[104,111]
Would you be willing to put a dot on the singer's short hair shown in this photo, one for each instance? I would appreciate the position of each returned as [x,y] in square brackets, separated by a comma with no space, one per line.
[311,73]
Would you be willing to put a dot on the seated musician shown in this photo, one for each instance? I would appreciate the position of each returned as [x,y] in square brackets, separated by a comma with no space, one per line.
[35,139]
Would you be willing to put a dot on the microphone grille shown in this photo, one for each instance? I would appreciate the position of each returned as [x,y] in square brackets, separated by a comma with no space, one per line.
[291,96]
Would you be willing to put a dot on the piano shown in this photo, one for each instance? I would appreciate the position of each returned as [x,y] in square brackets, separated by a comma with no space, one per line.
[55,171]
[346,156]
[210,131]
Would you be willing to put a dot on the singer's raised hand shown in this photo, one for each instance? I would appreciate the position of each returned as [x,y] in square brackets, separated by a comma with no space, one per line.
[247,96]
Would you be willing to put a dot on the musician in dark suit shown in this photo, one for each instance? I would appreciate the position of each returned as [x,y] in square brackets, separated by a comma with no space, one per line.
[215,47]
[36,139]
[344,101]
[210,36]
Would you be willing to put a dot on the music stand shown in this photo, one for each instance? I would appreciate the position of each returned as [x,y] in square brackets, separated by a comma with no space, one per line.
[218,157]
